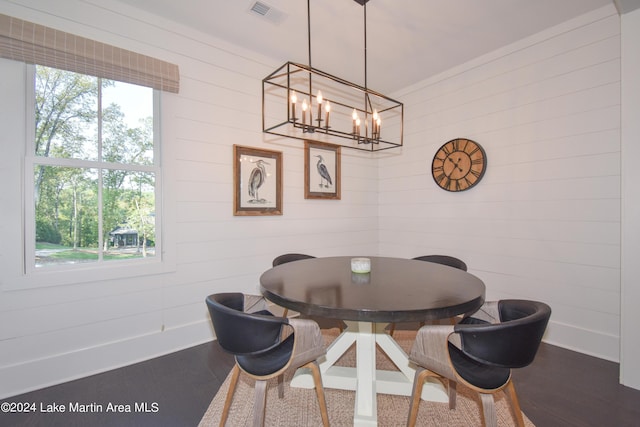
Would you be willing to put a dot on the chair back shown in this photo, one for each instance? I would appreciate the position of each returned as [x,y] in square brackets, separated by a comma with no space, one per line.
[242,333]
[512,343]
[284,258]
[444,260]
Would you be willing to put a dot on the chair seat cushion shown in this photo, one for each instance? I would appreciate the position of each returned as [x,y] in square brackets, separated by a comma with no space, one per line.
[473,321]
[268,362]
[476,373]
[264,313]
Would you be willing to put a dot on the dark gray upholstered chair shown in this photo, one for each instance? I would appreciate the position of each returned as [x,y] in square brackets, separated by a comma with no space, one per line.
[438,259]
[444,260]
[284,258]
[264,347]
[290,257]
[480,352]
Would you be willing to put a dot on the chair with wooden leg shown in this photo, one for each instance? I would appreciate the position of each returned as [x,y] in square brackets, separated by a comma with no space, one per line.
[480,352]
[265,347]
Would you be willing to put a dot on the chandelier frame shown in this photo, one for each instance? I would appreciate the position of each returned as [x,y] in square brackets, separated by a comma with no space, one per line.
[344,100]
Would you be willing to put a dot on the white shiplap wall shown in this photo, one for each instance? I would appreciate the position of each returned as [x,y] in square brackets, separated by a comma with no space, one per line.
[544,223]
[630,289]
[52,334]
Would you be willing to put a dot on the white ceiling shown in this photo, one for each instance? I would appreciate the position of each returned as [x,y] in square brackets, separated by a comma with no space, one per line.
[407,40]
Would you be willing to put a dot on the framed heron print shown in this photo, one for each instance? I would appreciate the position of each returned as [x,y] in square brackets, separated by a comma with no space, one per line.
[257,181]
[321,171]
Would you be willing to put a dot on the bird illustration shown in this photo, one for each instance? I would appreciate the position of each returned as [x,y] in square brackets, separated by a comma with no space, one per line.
[324,173]
[256,179]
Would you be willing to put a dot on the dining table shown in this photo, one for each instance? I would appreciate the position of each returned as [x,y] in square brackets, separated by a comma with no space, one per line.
[392,290]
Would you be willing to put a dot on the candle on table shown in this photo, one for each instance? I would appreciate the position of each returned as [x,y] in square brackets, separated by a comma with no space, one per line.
[360,265]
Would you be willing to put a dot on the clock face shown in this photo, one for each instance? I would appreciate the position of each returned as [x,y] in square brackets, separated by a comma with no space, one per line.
[459,165]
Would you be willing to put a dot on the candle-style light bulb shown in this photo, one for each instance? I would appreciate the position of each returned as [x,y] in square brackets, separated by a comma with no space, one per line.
[319,99]
[358,126]
[366,126]
[354,115]
[374,121]
[304,111]
[327,109]
[294,99]
[378,128]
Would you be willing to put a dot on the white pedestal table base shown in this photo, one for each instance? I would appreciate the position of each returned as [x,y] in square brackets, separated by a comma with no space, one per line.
[365,379]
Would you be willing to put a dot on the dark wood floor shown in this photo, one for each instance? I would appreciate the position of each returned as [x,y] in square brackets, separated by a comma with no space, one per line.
[561,388]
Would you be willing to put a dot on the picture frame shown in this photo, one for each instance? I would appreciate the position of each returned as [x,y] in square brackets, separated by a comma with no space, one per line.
[257,181]
[321,176]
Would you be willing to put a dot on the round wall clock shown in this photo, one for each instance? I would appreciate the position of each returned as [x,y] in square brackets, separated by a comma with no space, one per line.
[459,164]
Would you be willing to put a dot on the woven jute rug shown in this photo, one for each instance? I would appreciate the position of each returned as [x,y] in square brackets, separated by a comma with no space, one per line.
[299,407]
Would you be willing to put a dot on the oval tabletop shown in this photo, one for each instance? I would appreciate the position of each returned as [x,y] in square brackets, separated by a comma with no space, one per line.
[396,289]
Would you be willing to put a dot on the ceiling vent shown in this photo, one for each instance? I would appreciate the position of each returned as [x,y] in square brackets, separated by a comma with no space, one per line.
[260,8]
[266,11]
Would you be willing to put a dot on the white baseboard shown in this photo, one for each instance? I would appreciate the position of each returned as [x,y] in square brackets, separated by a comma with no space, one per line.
[586,341]
[57,369]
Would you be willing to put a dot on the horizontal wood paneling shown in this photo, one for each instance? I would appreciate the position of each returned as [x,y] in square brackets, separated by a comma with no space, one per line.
[32,374]
[544,223]
[219,105]
[60,340]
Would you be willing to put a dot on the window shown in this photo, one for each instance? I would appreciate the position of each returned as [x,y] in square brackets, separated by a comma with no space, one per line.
[92,171]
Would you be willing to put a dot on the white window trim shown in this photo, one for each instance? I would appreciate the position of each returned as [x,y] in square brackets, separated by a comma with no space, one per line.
[32,277]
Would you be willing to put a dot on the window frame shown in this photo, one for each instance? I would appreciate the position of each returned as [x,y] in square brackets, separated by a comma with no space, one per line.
[32,276]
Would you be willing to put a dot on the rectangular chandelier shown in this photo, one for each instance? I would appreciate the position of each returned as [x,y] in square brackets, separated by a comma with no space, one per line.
[302,102]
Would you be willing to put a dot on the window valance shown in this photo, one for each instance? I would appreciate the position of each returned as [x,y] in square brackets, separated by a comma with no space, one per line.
[36,44]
